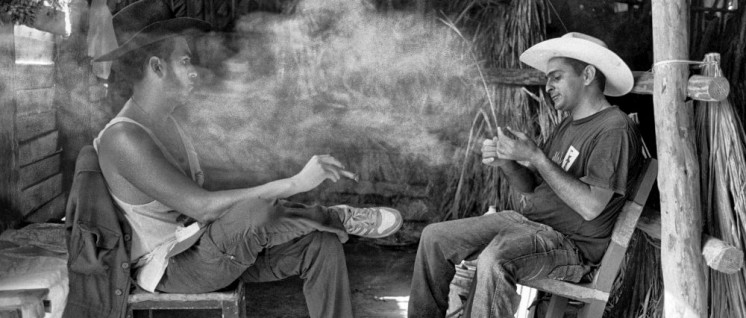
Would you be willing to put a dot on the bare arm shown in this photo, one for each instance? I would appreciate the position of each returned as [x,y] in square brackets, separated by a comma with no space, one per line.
[132,154]
[588,201]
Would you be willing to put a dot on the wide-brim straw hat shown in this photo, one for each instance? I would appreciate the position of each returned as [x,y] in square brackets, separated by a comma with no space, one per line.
[579,46]
[146,22]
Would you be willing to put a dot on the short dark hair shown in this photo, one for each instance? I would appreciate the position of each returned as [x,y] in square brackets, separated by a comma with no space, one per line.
[578,66]
[132,65]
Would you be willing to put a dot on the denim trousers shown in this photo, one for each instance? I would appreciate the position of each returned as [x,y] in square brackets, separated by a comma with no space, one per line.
[306,242]
[510,249]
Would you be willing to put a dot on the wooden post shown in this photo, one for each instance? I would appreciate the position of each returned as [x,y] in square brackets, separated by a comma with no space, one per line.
[685,293]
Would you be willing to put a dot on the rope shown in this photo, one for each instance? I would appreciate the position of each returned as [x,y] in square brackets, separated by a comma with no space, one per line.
[666,62]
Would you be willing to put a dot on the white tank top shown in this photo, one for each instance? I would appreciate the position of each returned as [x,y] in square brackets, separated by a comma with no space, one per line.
[154,223]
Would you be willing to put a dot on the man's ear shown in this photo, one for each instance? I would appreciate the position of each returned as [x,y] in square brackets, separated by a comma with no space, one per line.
[589,74]
[156,65]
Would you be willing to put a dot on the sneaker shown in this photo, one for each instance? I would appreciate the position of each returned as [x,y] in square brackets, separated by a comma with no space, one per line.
[375,222]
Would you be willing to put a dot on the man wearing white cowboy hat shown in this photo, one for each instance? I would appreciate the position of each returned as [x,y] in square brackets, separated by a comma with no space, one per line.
[153,174]
[574,186]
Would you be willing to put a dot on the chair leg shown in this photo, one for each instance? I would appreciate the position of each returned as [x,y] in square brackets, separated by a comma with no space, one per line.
[557,306]
[242,306]
[231,309]
[592,310]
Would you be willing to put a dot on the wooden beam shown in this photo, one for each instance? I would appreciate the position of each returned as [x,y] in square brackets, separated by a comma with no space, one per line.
[718,255]
[721,256]
[685,293]
[702,88]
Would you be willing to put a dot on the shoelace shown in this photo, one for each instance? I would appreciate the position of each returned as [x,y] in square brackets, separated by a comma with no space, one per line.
[360,221]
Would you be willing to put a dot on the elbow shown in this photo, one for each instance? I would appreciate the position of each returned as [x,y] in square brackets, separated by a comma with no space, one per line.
[203,212]
[591,213]
[207,218]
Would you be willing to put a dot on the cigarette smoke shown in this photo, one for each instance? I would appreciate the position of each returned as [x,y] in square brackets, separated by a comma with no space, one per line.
[334,77]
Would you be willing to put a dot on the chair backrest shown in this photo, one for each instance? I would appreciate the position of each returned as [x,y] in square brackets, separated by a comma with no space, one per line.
[625,226]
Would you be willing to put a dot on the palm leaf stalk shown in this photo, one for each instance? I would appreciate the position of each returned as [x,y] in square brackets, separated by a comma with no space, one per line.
[724,178]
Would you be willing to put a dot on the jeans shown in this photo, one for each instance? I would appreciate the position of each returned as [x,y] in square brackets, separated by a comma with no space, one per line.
[306,242]
[511,249]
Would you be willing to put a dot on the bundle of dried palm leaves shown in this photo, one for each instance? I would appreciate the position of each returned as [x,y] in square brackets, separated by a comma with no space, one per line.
[723,162]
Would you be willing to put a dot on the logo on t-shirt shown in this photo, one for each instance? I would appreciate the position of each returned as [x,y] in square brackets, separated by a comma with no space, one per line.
[570,157]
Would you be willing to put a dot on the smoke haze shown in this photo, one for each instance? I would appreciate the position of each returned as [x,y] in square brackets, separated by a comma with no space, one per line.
[334,77]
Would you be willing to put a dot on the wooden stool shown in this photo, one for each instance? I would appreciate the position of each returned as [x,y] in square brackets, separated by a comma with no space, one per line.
[23,303]
[232,302]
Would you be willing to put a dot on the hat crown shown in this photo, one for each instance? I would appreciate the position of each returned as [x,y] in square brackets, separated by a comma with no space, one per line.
[137,16]
[581,36]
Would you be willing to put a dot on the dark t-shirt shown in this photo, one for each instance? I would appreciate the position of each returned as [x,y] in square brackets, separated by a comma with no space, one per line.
[602,150]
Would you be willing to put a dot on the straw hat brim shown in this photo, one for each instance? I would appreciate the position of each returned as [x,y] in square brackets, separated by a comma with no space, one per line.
[619,80]
[155,32]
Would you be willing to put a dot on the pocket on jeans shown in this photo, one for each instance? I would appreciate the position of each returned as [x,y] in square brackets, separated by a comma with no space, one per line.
[569,273]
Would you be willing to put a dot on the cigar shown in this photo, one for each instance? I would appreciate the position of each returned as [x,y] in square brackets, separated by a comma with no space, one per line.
[350,175]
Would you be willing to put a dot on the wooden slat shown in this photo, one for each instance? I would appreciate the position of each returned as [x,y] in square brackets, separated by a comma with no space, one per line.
[7,116]
[215,300]
[53,210]
[30,302]
[34,124]
[218,297]
[579,292]
[37,171]
[163,304]
[40,193]
[34,100]
[33,46]
[38,148]
[647,181]
[626,224]
[30,76]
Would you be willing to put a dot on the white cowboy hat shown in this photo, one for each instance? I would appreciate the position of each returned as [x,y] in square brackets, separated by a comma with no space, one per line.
[588,49]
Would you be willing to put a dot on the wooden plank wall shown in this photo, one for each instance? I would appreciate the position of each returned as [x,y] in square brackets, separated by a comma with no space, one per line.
[7,117]
[38,183]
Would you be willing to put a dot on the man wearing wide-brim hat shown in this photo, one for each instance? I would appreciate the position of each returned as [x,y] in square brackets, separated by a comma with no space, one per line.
[574,186]
[152,172]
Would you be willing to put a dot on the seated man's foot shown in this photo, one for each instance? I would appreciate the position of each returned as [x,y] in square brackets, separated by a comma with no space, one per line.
[374,222]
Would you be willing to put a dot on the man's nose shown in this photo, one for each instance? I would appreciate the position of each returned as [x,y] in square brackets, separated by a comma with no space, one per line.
[192,74]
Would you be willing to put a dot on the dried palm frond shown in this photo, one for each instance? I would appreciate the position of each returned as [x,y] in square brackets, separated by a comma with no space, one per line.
[501,32]
[724,180]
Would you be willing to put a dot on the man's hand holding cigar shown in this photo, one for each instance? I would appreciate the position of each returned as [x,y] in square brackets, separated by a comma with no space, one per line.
[318,169]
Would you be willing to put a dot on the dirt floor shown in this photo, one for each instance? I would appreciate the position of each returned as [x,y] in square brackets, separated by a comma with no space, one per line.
[380,277]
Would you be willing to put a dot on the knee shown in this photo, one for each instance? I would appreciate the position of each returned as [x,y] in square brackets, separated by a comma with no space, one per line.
[432,234]
[492,260]
[326,244]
